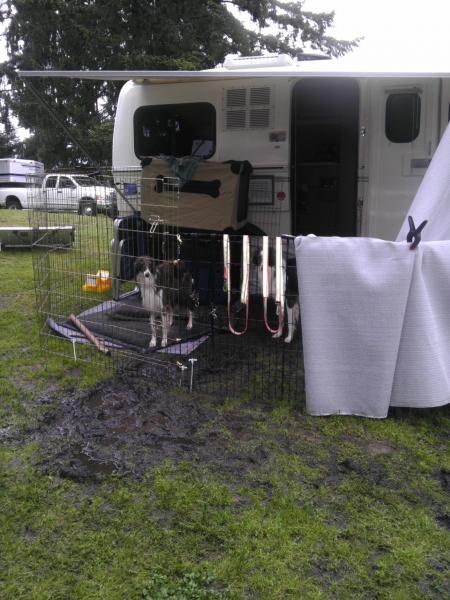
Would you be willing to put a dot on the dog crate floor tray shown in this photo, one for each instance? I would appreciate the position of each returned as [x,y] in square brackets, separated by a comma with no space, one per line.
[124,324]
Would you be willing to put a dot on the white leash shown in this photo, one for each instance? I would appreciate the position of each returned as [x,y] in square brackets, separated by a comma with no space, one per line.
[245,269]
[265,267]
[280,275]
[245,298]
[280,291]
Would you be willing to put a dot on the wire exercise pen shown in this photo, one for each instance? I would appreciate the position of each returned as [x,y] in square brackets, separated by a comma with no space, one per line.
[223,284]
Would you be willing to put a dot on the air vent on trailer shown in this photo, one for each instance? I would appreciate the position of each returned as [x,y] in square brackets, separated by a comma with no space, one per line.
[236,97]
[236,119]
[248,108]
[259,95]
[259,117]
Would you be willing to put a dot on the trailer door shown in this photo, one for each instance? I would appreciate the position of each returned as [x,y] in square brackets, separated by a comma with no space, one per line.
[325,156]
[402,135]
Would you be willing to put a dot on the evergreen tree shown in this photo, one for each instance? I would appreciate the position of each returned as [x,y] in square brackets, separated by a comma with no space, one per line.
[8,140]
[130,34]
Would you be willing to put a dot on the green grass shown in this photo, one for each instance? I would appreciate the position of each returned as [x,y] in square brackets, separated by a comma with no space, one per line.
[23,369]
[337,508]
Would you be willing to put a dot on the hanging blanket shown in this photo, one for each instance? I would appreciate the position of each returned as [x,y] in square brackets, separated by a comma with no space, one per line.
[375,324]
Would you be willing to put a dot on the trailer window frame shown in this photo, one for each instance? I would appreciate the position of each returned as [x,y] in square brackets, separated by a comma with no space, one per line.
[403,116]
[196,120]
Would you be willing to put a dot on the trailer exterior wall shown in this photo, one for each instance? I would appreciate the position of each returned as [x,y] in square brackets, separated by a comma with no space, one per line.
[388,172]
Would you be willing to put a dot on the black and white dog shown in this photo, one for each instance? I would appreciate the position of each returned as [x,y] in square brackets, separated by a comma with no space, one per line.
[164,286]
[291,308]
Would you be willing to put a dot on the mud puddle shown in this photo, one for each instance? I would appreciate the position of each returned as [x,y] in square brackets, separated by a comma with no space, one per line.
[127,426]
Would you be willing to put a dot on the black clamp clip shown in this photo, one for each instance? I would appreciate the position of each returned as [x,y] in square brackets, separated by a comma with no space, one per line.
[414,234]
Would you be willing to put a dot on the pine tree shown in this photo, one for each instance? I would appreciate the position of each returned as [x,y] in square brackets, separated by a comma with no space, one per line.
[131,34]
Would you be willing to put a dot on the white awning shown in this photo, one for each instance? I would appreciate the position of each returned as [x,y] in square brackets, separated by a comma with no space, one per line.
[303,69]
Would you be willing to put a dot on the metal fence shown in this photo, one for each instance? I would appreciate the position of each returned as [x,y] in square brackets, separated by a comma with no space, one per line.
[136,290]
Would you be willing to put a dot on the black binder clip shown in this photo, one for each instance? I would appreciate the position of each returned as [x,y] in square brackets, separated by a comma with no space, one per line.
[414,234]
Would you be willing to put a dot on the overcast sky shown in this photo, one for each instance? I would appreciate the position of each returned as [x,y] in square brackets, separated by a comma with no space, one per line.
[394,30]
[399,30]
[400,33]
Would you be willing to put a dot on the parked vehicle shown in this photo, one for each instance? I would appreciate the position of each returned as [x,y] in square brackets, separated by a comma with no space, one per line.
[24,185]
[335,150]
[15,177]
[73,192]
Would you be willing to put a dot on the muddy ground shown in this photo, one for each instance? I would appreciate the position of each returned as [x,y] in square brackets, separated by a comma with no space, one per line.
[128,426]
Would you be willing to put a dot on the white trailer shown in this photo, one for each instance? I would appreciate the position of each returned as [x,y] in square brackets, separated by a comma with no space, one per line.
[16,176]
[16,170]
[334,150]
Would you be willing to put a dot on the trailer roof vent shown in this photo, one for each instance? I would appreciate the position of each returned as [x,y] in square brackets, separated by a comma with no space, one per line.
[233,62]
[304,56]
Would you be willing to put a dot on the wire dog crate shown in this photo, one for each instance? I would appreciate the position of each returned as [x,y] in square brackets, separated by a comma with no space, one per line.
[142,288]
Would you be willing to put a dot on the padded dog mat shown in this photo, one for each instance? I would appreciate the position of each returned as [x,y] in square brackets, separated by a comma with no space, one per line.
[125,324]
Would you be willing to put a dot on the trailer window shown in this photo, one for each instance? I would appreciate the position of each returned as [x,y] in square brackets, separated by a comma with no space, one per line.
[175,130]
[402,117]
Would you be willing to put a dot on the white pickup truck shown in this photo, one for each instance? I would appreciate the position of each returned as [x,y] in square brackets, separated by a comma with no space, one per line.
[61,192]
[14,196]
[15,174]
[80,193]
